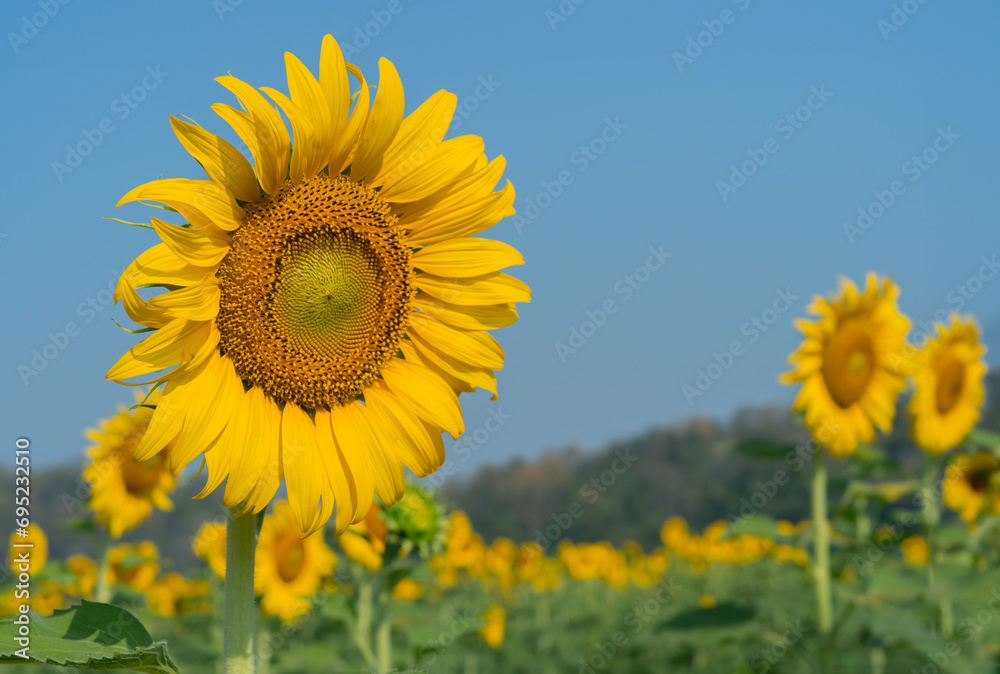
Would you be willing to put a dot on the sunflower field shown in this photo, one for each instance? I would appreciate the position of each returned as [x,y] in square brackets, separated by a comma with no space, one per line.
[300,325]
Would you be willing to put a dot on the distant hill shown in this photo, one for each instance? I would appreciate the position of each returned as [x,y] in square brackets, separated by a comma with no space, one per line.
[624,491]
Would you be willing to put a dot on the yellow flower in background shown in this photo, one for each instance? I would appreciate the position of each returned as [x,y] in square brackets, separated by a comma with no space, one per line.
[500,560]
[124,492]
[707,601]
[84,571]
[970,485]
[407,590]
[851,364]
[135,565]
[290,567]
[46,597]
[341,266]
[38,553]
[364,542]
[916,550]
[948,386]
[173,594]
[674,533]
[210,545]
[496,625]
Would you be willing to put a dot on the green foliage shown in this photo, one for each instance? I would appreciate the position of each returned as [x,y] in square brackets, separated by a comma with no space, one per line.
[89,636]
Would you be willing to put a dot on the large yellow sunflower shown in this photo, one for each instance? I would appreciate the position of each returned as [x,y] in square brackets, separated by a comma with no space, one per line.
[124,491]
[37,553]
[971,486]
[290,568]
[948,386]
[851,364]
[326,304]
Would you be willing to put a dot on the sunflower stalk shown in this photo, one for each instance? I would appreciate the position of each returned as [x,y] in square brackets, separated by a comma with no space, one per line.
[102,591]
[932,518]
[821,555]
[362,631]
[238,612]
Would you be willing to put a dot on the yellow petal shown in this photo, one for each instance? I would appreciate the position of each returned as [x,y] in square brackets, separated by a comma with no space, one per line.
[494,288]
[222,162]
[168,417]
[349,135]
[433,355]
[354,459]
[383,122]
[481,317]
[340,477]
[426,394]
[386,467]
[254,465]
[205,204]
[300,460]
[219,393]
[138,309]
[405,431]
[172,344]
[160,266]
[271,147]
[421,132]
[334,83]
[474,347]
[465,257]
[197,302]
[446,163]
[202,248]
[305,162]
[308,95]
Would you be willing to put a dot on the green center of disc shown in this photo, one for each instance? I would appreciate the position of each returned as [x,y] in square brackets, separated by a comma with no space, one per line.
[328,292]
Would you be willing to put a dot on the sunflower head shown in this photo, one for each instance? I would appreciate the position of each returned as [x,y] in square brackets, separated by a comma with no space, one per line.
[291,566]
[174,595]
[135,565]
[124,491]
[971,485]
[492,632]
[948,386]
[84,572]
[407,589]
[38,553]
[416,522]
[916,550]
[321,309]
[851,365]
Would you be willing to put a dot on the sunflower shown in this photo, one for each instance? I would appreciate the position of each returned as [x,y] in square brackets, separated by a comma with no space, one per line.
[84,571]
[948,386]
[133,564]
[325,306]
[970,485]
[851,364]
[38,553]
[916,550]
[496,625]
[174,594]
[210,544]
[407,590]
[123,491]
[290,568]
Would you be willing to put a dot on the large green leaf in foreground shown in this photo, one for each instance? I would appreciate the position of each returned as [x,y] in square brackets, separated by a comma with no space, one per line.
[89,636]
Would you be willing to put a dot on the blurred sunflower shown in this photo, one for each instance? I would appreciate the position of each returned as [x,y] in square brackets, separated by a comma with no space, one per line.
[407,590]
[328,303]
[970,485]
[851,364]
[364,542]
[948,386]
[290,567]
[38,553]
[133,564]
[916,550]
[210,545]
[174,594]
[123,491]
[84,571]
[496,625]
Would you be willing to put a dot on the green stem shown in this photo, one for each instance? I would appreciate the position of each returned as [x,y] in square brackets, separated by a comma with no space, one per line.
[238,615]
[261,647]
[821,556]
[932,518]
[102,591]
[363,626]
[383,642]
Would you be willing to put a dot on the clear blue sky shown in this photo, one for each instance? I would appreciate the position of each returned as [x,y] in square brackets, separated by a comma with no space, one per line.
[653,180]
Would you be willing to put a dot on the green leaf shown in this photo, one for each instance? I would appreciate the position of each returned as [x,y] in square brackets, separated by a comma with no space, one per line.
[985,438]
[89,636]
[723,615]
[763,449]
[755,525]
